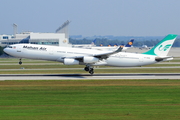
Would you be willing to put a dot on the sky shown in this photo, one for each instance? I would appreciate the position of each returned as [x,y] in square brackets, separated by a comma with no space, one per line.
[92,17]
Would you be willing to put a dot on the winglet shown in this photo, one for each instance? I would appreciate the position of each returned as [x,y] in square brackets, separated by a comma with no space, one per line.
[119,49]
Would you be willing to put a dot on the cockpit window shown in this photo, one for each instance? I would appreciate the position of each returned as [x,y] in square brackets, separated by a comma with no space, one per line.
[9,47]
[14,47]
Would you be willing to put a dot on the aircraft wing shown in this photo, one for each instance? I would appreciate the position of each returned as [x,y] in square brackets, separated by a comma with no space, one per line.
[106,55]
[100,56]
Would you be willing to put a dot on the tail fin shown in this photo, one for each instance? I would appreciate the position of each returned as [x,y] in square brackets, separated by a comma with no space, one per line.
[163,47]
[129,44]
[93,42]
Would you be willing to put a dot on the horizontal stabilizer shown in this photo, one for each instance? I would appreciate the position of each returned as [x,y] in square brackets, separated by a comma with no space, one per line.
[167,58]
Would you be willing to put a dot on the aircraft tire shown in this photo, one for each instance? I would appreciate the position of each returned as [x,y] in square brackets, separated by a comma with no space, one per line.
[20,62]
[86,68]
[91,71]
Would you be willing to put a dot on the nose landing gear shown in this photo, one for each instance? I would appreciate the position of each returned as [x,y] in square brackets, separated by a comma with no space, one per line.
[20,61]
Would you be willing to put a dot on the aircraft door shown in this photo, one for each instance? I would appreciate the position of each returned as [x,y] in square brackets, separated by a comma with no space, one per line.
[19,49]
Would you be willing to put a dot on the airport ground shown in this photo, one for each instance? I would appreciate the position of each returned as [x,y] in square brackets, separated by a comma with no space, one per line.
[29,91]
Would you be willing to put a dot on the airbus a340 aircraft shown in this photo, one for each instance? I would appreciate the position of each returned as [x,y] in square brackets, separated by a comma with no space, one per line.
[90,58]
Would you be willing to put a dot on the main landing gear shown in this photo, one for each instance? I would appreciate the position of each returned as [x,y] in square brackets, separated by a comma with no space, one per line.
[90,69]
[20,62]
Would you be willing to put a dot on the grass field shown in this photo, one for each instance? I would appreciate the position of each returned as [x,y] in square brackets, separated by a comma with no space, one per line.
[92,99]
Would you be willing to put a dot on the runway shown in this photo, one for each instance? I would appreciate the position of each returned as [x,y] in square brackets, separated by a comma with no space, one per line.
[136,76]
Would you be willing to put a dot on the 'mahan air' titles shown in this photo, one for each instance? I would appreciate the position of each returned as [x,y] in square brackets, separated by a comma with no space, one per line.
[35,48]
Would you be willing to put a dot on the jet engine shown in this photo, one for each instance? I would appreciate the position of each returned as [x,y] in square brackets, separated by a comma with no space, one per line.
[68,61]
[90,59]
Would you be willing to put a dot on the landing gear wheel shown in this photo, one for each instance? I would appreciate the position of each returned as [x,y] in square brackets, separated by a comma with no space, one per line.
[86,68]
[20,61]
[91,71]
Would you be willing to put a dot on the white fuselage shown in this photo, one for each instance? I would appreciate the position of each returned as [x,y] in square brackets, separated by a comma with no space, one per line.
[54,53]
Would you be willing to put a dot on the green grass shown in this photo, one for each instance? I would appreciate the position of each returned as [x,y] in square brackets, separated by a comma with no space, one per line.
[162,65]
[92,99]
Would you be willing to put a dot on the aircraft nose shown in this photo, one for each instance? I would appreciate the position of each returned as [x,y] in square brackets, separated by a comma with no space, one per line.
[5,50]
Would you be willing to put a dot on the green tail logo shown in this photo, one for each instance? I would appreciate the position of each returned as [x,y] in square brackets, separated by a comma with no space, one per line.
[161,48]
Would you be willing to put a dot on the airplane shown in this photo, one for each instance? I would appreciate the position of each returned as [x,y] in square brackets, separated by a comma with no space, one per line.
[109,48]
[85,45]
[144,47]
[101,47]
[90,58]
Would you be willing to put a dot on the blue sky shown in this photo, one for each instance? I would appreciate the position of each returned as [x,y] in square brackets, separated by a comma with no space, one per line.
[92,17]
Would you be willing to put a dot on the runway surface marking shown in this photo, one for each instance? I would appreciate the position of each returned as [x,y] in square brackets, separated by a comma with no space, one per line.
[89,77]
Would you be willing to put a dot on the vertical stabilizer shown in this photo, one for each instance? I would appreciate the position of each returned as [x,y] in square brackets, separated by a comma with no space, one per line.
[130,43]
[163,47]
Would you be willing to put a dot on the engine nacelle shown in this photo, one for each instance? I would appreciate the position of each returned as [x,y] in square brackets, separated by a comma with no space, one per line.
[68,61]
[90,59]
